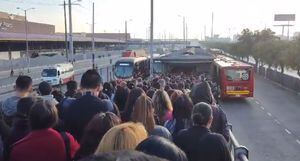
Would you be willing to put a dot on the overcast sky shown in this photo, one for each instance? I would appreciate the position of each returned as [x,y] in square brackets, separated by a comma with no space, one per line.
[230,16]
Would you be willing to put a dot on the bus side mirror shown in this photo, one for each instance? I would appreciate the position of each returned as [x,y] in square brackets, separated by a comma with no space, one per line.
[58,73]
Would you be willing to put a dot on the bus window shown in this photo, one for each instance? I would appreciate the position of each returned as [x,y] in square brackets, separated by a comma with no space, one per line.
[49,73]
[124,70]
[237,75]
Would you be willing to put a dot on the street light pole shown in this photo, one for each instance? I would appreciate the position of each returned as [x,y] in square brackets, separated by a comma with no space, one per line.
[26,37]
[126,33]
[183,23]
[71,50]
[66,32]
[151,41]
[93,35]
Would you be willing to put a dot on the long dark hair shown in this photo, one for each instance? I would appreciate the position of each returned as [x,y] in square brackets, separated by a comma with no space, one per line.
[121,97]
[132,97]
[94,132]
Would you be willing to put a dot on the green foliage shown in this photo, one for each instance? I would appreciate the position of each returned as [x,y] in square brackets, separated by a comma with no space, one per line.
[265,48]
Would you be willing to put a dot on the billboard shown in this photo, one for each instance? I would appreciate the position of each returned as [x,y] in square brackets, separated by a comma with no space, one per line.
[284,17]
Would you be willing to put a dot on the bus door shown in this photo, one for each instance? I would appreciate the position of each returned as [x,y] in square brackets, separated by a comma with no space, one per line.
[237,82]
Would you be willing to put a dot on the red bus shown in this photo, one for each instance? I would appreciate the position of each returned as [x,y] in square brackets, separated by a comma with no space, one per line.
[235,78]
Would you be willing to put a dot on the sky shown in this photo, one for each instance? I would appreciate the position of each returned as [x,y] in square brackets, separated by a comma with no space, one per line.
[230,16]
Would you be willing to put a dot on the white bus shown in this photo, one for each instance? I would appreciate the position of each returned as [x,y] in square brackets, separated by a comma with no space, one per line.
[58,74]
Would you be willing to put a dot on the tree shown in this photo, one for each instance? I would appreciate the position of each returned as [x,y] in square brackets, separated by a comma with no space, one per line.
[246,42]
[293,58]
[281,52]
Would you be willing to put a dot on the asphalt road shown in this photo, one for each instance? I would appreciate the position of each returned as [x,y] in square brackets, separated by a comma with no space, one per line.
[268,124]
[6,83]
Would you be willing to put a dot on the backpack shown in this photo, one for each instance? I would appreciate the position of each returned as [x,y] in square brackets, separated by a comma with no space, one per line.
[67,145]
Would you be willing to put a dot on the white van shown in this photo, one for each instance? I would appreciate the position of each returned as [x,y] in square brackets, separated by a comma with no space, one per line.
[58,74]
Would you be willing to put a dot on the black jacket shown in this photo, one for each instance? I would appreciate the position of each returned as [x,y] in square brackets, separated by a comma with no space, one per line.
[81,112]
[219,124]
[200,144]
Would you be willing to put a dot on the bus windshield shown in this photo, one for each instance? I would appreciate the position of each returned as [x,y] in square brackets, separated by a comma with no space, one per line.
[157,67]
[237,75]
[124,70]
[49,73]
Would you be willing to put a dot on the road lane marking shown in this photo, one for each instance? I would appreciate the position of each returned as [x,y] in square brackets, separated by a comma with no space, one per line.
[257,102]
[298,141]
[287,131]
[277,122]
[262,107]
[269,114]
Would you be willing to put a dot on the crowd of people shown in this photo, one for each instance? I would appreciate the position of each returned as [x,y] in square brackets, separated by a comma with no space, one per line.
[169,117]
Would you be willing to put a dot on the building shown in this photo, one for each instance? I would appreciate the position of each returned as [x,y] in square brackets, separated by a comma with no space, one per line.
[11,23]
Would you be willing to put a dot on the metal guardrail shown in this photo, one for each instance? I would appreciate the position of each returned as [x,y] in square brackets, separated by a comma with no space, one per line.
[238,152]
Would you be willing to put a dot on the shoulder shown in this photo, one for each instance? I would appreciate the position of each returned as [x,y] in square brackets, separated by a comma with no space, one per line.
[214,137]
[183,133]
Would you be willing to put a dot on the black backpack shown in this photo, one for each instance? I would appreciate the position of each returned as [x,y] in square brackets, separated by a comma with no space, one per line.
[67,145]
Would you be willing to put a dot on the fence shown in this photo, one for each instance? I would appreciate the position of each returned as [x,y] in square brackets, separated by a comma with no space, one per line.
[285,80]
[238,152]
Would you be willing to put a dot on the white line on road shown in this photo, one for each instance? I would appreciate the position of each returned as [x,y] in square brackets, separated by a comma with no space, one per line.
[262,107]
[277,122]
[257,102]
[269,114]
[298,141]
[287,131]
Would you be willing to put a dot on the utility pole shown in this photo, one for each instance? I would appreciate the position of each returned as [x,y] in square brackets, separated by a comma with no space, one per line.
[186,34]
[183,23]
[71,50]
[93,35]
[126,33]
[204,32]
[66,32]
[151,41]
[212,25]
[26,37]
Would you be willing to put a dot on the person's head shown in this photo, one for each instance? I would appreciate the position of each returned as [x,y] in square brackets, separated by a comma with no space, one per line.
[161,147]
[72,85]
[125,136]
[23,84]
[132,97]
[202,93]
[95,130]
[182,107]
[121,97]
[108,88]
[162,103]
[24,105]
[202,114]
[170,92]
[122,155]
[150,93]
[181,86]
[162,84]
[58,95]
[45,88]
[91,81]
[131,84]
[177,93]
[143,112]
[42,115]
[162,132]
